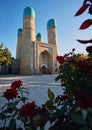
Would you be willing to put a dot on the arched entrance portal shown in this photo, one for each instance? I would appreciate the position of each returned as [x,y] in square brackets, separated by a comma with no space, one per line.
[45,62]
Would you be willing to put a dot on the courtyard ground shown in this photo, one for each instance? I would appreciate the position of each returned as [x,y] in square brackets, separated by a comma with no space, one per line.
[37,86]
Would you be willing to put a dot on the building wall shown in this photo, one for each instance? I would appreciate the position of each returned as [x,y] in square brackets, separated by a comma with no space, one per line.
[12,68]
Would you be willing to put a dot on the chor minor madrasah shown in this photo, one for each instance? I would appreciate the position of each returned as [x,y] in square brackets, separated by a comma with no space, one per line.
[35,56]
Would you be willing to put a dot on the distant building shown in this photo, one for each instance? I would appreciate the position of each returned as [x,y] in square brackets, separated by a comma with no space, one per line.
[35,56]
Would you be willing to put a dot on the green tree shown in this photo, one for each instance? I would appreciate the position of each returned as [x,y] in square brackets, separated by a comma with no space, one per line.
[5,55]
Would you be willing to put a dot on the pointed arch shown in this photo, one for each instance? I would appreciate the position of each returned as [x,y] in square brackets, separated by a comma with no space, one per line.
[45,62]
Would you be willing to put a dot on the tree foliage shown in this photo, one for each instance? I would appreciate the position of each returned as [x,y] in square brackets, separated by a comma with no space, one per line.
[5,55]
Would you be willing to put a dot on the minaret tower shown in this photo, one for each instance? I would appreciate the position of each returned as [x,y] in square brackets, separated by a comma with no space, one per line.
[28,38]
[19,44]
[52,39]
[29,24]
[52,33]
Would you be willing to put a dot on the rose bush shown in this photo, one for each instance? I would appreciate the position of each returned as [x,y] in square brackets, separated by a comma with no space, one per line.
[19,114]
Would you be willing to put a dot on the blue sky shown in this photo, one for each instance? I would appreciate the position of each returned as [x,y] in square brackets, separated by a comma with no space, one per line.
[11,18]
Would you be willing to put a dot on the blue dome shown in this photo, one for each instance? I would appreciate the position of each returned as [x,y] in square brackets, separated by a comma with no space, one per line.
[20,30]
[29,12]
[38,35]
[51,23]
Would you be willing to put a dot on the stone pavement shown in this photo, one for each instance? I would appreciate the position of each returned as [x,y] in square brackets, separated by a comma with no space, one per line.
[38,85]
[7,79]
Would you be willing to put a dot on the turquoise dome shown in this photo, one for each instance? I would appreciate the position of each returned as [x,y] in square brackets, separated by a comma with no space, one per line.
[20,30]
[51,23]
[29,12]
[38,35]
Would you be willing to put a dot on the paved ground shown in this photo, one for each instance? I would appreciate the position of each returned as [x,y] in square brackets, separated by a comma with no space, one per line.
[38,79]
[37,86]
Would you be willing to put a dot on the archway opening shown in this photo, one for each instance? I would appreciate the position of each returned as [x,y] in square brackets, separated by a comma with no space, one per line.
[45,62]
[44,69]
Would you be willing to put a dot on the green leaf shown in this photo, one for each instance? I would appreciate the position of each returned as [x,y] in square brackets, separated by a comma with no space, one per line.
[78,118]
[57,78]
[84,114]
[21,118]
[90,110]
[49,103]
[61,111]
[2,116]
[25,92]
[24,88]
[15,113]
[16,102]
[20,128]
[23,99]
[12,124]
[50,94]
[90,120]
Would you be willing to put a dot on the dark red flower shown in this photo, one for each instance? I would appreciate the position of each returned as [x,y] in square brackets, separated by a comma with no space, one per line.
[28,110]
[83,64]
[83,100]
[10,94]
[60,59]
[89,49]
[16,84]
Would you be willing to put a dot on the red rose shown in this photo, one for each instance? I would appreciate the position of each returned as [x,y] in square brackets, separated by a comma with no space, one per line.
[10,94]
[16,84]
[60,59]
[83,100]
[28,110]
[83,64]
